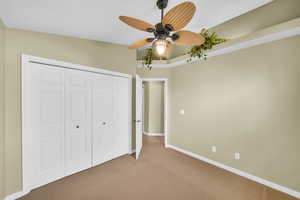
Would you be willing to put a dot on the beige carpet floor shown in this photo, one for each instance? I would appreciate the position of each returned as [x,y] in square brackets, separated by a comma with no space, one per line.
[160,174]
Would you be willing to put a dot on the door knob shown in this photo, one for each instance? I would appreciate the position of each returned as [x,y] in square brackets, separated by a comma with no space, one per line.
[103,123]
[77,126]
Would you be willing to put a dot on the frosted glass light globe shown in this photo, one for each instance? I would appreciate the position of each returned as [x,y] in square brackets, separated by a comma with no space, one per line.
[160,47]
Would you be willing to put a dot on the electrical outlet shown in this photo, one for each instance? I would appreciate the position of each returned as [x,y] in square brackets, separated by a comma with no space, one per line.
[182,111]
[237,155]
[214,149]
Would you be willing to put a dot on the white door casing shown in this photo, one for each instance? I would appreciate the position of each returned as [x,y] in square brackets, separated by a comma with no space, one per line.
[138,116]
[166,106]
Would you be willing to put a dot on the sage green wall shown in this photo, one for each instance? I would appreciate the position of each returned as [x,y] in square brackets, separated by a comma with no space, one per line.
[246,101]
[69,49]
[154,107]
[2,44]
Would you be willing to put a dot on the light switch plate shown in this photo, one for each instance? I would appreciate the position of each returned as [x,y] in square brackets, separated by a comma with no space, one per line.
[214,149]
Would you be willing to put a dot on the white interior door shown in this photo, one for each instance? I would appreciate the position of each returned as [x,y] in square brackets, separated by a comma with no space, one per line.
[43,157]
[103,119]
[78,120]
[138,116]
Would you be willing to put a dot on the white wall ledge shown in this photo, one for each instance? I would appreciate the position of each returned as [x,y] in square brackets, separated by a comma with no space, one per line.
[280,31]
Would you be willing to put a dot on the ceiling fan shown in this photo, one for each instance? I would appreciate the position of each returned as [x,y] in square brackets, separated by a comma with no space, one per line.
[168,30]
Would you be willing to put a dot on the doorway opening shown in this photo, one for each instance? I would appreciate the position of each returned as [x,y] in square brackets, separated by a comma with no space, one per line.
[155,109]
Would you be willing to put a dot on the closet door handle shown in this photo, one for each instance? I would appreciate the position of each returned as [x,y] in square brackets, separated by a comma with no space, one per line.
[103,123]
[77,126]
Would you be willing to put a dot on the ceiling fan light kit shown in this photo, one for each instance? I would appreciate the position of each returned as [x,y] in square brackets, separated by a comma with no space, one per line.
[167,31]
[161,47]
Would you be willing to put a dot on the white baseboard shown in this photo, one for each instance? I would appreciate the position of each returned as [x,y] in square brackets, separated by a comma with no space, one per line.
[238,172]
[154,134]
[17,195]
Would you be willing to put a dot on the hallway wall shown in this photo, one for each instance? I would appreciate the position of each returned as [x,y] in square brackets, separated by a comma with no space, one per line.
[164,73]
[154,107]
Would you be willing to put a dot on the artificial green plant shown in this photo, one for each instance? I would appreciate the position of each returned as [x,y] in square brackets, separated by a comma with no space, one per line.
[211,39]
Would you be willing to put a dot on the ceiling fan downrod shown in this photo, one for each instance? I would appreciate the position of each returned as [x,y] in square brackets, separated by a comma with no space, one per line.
[162,4]
[163,30]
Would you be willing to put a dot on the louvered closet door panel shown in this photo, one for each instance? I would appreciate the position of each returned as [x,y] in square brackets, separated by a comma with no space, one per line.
[45,118]
[121,115]
[78,116]
[103,120]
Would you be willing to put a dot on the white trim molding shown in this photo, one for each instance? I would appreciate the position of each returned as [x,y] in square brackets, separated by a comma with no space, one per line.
[238,172]
[153,134]
[17,195]
[154,79]
[56,63]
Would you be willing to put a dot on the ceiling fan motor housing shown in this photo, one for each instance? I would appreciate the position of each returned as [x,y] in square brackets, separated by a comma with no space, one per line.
[160,31]
[163,31]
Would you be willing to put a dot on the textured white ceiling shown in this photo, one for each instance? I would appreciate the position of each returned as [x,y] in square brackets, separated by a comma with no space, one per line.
[98,19]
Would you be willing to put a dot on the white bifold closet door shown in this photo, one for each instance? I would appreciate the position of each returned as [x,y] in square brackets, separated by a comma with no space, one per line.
[103,119]
[78,119]
[71,120]
[110,118]
[43,159]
